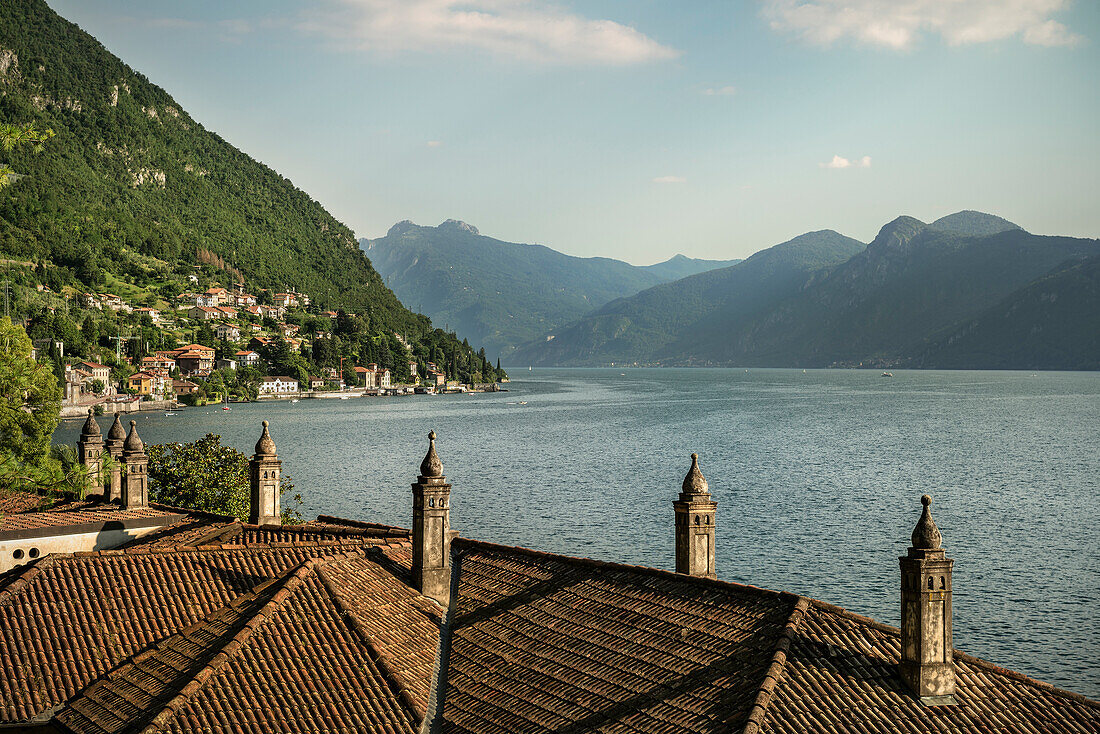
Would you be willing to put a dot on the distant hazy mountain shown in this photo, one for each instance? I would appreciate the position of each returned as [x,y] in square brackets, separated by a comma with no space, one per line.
[918,295]
[973,224]
[671,321]
[1051,323]
[500,293]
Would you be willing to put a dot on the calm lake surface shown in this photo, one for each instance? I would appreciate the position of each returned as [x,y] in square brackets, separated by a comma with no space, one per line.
[817,475]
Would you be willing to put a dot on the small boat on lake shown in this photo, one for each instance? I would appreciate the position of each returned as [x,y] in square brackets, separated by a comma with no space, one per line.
[887,374]
[171,413]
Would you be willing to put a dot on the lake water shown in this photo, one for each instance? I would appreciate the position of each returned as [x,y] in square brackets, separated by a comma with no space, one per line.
[817,476]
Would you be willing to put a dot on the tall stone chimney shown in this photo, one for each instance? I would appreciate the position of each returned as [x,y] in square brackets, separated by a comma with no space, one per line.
[89,451]
[135,493]
[263,477]
[927,660]
[116,437]
[431,538]
[695,513]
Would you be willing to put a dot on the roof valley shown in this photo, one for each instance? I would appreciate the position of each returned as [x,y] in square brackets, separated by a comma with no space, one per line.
[755,721]
[437,692]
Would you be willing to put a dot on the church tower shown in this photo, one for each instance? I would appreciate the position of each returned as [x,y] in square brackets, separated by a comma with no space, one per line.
[90,453]
[116,437]
[695,513]
[431,537]
[135,492]
[263,475]
[927,659]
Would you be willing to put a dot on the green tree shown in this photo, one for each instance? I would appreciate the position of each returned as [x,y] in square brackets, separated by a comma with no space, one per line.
[206,476]
[12,136]
[30,403]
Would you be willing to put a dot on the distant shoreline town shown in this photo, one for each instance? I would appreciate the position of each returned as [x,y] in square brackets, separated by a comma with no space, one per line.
[245,350]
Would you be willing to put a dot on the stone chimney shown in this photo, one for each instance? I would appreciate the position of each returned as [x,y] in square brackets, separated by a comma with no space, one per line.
[927,659]
[263,478]
[116,437]
[695,513]
[431,537]
[89,450]
[135,493]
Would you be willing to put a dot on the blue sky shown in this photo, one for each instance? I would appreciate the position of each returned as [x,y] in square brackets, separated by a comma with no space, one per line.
[638,129]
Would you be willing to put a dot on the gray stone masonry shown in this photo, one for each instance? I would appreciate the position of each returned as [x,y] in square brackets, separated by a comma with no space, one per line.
[89,451]
[263,474]
[135,492]
[927,659]
[116,437]
[695,516]
[431,535]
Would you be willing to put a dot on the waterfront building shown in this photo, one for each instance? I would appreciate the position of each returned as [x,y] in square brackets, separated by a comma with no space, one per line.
[207,623]
[278,385]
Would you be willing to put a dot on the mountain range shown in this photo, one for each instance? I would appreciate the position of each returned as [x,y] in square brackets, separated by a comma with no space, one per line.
[970,290]
[502,294]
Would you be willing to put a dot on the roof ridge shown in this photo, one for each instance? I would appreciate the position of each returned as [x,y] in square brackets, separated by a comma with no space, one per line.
[196,513]
[395,679]
[648,570]
[755,721]
[957,654]
[288,584]
[22,577]
[333,520]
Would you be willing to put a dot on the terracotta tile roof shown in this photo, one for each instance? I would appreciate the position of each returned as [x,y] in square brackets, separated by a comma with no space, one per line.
[81,513]
[14,502]
[216,625]
[547,643]
[253,663]
[401,626]
[127,697]
[67,620]
[840,674]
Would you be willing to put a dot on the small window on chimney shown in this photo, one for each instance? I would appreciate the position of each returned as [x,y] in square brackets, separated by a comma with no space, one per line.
[931,583]
[33,553]
[18,554]
[943,584]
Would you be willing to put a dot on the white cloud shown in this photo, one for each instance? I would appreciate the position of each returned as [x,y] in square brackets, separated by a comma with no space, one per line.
[719,91]
[838,162]
[899,24]
[670,180]
[528,30]
[434,143]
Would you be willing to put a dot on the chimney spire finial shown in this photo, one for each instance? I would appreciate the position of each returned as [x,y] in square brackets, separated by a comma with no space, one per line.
[265,446]
[91,428]
[431,466]
[694,482]
[926,536]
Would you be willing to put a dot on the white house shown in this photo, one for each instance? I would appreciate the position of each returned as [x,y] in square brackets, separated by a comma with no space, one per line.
[279,385]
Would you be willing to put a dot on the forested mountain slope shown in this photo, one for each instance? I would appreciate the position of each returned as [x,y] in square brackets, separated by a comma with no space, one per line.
[133,190]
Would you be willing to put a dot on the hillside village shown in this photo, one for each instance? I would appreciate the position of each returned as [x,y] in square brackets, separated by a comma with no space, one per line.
[225,343]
